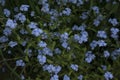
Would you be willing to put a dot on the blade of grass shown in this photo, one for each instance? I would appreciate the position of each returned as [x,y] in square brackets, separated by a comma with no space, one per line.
[8,66]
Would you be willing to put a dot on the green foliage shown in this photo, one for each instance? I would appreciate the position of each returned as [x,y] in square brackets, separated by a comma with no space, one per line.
[33,70]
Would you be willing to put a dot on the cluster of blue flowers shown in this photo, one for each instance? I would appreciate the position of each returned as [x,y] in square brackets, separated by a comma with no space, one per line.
[56,36]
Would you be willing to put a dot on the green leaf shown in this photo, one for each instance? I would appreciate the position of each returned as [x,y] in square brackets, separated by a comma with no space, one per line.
[26,59]
[114,9]
[49,61]
[37,78]
[108,6]
[53,45]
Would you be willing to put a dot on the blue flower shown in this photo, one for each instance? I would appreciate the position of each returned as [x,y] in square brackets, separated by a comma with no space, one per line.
[95,9]
[56,34]
[83,37]
[57,69]
[45,8]
[93,44]
[113,21]
[28,51]
[12,44]
[73,1]
[108,75]
[52,69]
[48,68]
[115,53]
[74,67]
[24,7]
[44,35]
[7,31]
[114,2]
[80,77]
[100,17]
[32,13]
[67,11]
[84,33]
[23,31]
[64,36]
[21,17]
[101,43]
[66,77]
[6,12]
[114,36]
[2,2]
[53,18]
[96,22]
[54,77]
[58,2]
[82,27]
[24,43]
[16,9]
[22,77]
[47,51]
[54,13]
[41,59]
[89,57]
[75,27]
[76,37]
[64,44]
[64,2]
[80,2]
[32,25]
[37,32]
[57,51]
[40,51]
[107,0]
[42,2]
[20,63]
[106,54]
[102,34]
[114,32]
[10,23]
[84,15]
[9,52]
[3,39]
[42,44]
[104,67]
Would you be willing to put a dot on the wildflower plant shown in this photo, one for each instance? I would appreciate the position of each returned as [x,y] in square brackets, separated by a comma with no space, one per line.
[59,39]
